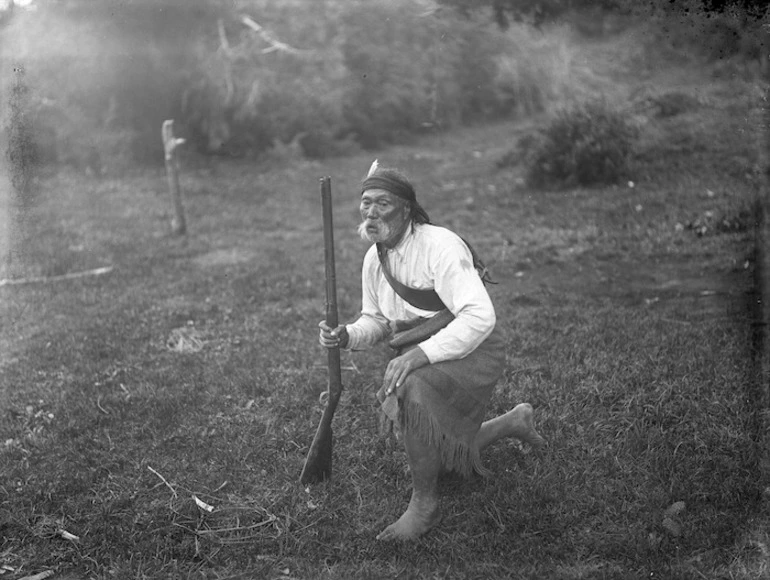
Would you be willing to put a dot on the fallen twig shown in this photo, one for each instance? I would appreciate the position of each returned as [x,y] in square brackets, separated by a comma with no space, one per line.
[67,536]
[163,479]
[70,276]
[99,405]
[215,531]
[202,504]
[232,535]
[39,576]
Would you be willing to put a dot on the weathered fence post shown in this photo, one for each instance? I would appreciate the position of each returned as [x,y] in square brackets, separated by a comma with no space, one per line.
[170,144]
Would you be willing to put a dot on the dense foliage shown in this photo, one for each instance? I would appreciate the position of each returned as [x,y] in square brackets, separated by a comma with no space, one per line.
[315,77]
[247,77]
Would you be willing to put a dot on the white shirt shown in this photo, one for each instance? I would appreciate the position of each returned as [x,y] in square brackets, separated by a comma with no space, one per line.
[428,257]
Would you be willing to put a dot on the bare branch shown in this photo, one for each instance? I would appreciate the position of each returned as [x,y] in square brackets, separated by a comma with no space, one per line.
[274,43]
[223,42]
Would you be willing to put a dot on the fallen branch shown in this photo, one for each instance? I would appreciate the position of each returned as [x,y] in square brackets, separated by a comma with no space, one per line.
[70,276]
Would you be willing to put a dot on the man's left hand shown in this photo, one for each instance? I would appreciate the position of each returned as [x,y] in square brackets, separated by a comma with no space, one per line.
[400,367]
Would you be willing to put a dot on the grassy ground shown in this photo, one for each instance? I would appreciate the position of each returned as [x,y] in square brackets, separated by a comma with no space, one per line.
[625,310]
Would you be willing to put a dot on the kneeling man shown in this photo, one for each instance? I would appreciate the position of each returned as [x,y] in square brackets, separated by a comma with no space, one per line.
[423,290]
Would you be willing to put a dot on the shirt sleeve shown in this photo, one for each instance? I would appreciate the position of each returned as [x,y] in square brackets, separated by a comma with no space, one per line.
[460,288]
[372,326]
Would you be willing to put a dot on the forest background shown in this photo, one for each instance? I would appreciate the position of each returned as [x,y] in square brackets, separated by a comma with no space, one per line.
[248,78]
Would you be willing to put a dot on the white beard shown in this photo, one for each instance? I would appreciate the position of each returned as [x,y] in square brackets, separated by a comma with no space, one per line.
[363,233]
[383,232]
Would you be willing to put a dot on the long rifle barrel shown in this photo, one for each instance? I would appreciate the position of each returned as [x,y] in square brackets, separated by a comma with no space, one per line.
[332,315]
[318,464]
[331,275]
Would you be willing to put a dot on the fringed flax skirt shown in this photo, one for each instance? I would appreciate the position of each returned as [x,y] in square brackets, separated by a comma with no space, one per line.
[445,403]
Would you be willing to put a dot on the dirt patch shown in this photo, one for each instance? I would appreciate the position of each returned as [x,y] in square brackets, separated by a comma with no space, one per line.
[224,257]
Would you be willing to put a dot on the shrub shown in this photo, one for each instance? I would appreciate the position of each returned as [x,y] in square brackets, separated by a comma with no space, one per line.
[588,144]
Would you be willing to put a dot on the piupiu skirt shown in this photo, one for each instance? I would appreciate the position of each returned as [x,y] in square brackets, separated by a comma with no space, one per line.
[445,403]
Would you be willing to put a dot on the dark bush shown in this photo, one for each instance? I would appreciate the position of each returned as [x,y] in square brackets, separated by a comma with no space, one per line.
[589,144]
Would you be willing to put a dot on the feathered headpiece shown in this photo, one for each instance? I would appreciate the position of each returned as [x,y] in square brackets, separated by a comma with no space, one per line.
[396,183]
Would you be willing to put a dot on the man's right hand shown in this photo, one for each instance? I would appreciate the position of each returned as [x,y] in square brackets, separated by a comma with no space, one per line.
[333,337]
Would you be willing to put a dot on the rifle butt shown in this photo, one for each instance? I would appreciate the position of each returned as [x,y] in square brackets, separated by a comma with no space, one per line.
[318,463]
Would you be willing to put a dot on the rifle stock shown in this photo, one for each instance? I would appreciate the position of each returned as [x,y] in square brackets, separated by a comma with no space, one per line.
[318,463]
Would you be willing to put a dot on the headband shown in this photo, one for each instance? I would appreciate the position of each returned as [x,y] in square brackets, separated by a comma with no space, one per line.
[391,183]
[395,183]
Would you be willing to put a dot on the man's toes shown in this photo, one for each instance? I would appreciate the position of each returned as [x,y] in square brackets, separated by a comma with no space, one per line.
[536,441]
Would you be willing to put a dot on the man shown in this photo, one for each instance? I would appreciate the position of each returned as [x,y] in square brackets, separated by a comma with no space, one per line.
[422,289]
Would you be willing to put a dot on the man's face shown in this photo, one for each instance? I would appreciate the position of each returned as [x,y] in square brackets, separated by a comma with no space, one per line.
[385,216]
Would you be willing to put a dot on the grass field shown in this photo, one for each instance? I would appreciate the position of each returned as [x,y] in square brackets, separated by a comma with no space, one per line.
[192,369]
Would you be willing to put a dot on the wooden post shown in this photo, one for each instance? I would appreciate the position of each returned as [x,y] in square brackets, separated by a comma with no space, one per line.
[170,144]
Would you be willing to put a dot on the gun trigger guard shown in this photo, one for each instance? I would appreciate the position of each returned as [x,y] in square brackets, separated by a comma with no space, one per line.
[323,398]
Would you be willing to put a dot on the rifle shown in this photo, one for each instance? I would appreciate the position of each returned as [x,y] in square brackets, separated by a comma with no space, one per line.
[318,463]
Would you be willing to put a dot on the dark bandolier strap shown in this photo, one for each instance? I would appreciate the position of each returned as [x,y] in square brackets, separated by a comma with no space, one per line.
[422,299]
[426,299]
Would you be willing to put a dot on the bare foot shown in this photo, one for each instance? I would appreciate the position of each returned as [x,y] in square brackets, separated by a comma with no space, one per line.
[524,426]
[421,515]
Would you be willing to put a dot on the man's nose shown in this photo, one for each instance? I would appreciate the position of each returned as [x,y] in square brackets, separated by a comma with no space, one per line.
[371,212]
